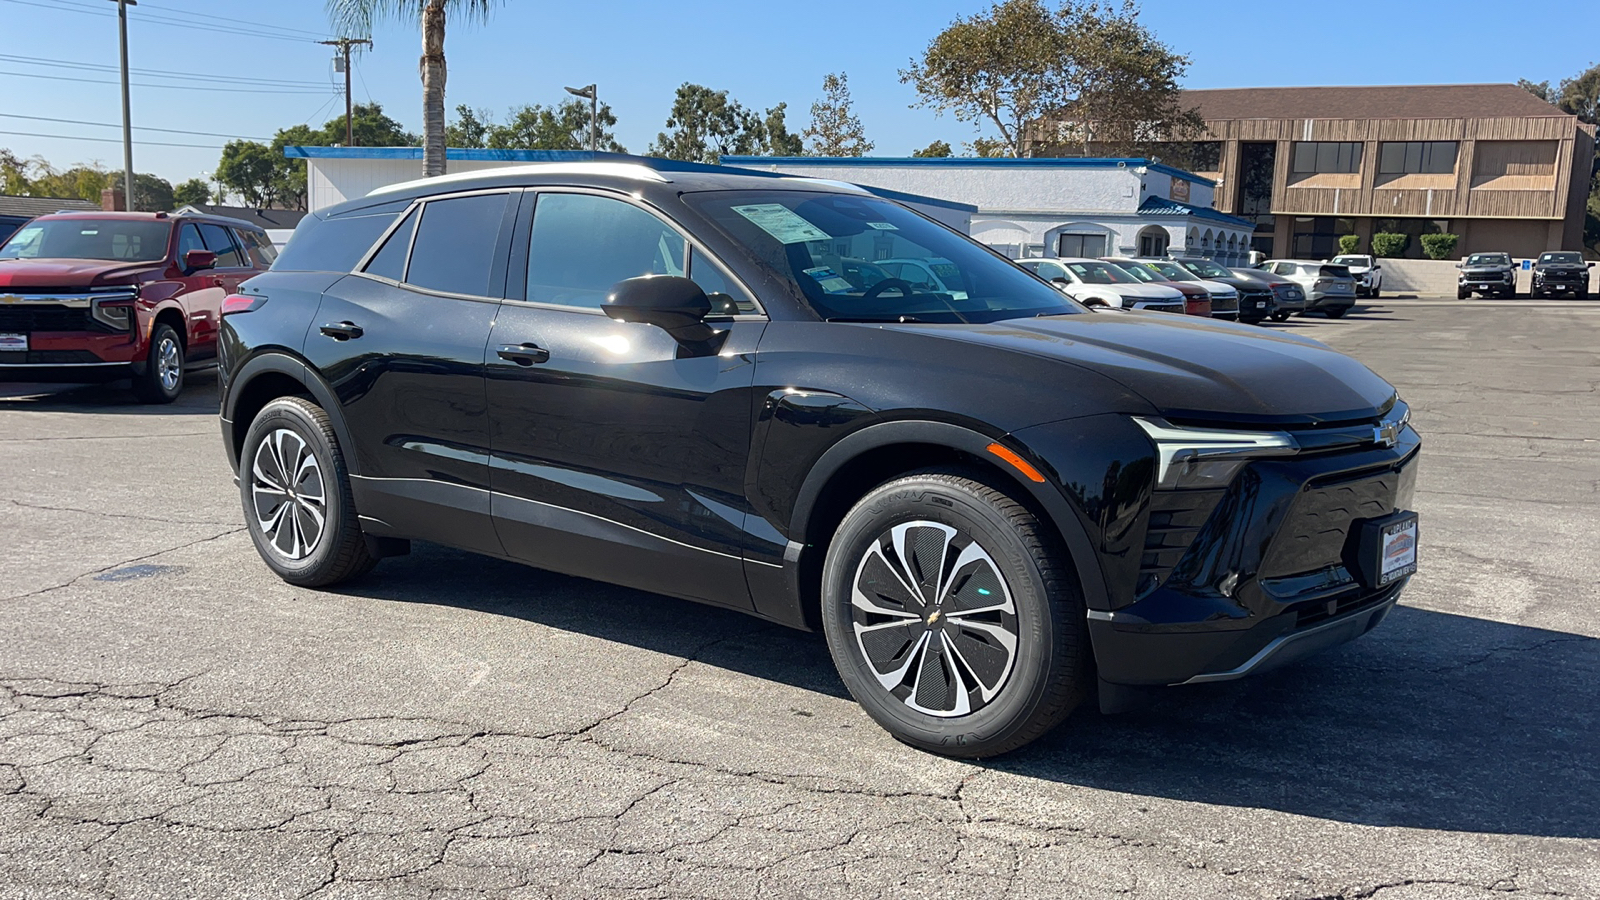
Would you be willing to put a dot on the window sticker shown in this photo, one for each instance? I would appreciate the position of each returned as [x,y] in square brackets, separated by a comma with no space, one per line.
[882,226]
[829,280]
[781,222]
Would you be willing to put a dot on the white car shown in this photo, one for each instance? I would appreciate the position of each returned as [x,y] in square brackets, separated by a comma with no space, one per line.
[927,274]
[1095,283]
[1329,288]
[1365,270]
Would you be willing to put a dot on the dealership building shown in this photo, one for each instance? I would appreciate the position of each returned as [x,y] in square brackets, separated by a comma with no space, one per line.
[1491,163]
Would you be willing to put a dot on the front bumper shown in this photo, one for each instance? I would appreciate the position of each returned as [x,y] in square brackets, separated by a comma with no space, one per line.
[1238,580]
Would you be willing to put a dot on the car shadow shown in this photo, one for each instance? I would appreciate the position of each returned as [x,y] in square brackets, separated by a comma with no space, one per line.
[1434,720]
[199,397]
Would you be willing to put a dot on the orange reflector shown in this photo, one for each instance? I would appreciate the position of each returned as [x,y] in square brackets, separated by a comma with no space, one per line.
[1017,462]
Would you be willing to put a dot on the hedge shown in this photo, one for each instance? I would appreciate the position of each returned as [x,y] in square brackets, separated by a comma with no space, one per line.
[1439,246]
[1348,243]
[1389,244]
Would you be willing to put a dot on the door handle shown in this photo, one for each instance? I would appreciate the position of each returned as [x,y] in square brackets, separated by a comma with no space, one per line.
[342,331]
[523,354]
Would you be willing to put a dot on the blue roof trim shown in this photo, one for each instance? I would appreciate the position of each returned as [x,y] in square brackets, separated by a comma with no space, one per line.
[969,162]
[1161,206]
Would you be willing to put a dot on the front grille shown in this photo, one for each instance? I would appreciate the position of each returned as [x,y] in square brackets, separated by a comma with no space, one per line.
[1224,304]
[1315,530]
[1573,276]
[1485,277]
[1315,612]
[25,318]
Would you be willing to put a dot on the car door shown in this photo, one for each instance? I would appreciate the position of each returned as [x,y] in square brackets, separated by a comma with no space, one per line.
[205,307]
[618,454]
[402,341]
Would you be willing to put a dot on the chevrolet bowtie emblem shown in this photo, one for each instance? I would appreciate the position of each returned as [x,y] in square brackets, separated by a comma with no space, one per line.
[934,617]
[1386,434]
[10,298]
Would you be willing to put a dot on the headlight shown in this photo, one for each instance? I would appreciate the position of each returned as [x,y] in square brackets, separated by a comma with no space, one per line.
[114,309]
[1208,457]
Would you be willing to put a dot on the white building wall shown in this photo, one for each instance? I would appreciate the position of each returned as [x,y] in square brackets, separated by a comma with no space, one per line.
[993,189]
[333,181]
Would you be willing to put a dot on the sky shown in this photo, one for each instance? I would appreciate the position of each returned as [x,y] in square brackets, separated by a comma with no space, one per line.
[253,66]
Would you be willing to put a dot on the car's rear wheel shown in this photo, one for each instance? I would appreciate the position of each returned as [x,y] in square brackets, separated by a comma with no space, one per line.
[1282,315]
[296,494]
[1374,293]
[162,379]
[1336,312]
[953,615]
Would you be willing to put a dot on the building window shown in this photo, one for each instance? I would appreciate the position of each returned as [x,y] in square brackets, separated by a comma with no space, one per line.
[1196,156]
[1417,157]
[1081,245]
[1316,157]
[1153,243]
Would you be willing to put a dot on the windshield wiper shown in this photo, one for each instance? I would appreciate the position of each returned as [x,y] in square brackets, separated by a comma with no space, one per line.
[902,320]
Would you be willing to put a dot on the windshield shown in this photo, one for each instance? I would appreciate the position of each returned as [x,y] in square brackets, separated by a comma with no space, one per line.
[1560,258]
[119,239]
[1351,261]
[1173,271]
[1099,273]
[1489,259]
[859,258]
[1205,268]
[1139,273]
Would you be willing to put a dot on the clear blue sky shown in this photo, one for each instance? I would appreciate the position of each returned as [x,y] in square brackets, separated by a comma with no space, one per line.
[639,51]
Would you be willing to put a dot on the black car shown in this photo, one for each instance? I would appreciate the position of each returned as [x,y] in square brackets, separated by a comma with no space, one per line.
[1560,272]
[1256,303]
[1488,274]
[994,503]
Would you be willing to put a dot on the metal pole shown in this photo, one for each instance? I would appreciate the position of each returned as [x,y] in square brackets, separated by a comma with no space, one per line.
[127,116]
[349,125]
[594,117]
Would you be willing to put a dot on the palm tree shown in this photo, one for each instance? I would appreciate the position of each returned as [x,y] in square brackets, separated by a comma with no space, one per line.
[357,16]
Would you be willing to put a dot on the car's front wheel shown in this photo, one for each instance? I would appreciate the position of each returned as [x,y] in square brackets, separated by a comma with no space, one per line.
[1281,315]
[953,615]
[296,493]
[1336,312]
[162,378]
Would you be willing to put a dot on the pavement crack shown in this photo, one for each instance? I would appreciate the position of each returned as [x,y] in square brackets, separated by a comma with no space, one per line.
[117,565]
[112,515]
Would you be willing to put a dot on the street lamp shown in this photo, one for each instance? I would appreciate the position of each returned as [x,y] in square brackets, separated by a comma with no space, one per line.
[592,94]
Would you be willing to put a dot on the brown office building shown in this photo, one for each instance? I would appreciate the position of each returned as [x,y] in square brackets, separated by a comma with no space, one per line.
[1489,162]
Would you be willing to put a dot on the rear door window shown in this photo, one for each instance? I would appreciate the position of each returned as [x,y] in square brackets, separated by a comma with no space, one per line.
[218,241]
[257,246]
[455,245]
[390,262]
[334,245]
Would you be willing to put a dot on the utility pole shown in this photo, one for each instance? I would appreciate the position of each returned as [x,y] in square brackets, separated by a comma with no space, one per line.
[344,44]
[127,119]
[592,94]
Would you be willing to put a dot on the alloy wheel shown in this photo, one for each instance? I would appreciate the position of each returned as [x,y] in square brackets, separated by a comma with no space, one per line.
[169,363]
[934,619]
[288,494]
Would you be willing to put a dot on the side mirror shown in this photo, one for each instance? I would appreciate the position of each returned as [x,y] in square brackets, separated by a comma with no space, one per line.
[1376,267]
[196,260]
[1059,280]
[1459,265]
[676,305]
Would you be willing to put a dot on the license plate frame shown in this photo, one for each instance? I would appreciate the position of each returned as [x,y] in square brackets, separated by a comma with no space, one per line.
[13,342]
[1384,550]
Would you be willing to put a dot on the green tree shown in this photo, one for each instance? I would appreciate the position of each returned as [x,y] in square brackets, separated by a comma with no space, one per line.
[289,175]
[835,130]
[989,147]
[357,17]
[191,192]
[370,127]
[1579,96]
[1095,68]
[705,125]
[935,149]
[150,193]
[1540,89]
[777,140]
[561,127]
[470,130]
[249,169]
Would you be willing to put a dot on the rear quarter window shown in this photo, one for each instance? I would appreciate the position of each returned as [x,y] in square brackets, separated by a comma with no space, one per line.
[333,245]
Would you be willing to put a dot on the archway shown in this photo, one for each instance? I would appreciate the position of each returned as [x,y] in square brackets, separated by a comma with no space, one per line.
[1153,241]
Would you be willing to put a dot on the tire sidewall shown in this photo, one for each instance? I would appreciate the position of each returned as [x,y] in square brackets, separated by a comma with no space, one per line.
[152,388]
[290,414]
[912,500]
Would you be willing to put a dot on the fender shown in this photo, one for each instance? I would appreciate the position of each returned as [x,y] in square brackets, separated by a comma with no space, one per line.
[278,361]
[1070,523]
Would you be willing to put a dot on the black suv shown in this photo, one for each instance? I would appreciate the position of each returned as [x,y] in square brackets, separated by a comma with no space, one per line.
[1256,302]
[1489,274]
[1560,272]
[994,503]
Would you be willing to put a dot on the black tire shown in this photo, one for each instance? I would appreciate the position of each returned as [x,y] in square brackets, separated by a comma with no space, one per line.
[1535,293]
[941,513]
[1374,293]
[1281,316]
[293,428]
[1336,312]
[162,378]
[1462,294]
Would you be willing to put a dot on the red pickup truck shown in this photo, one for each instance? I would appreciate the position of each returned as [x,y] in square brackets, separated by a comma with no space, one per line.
[99,296]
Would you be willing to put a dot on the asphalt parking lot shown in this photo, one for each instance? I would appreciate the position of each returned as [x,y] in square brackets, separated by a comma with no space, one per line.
[175,722]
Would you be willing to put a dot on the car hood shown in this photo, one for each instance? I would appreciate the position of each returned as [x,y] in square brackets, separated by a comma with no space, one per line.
[1196,370]
[68,273]
[1493,267]
[1561,267]
[1140,291]
[1217,287]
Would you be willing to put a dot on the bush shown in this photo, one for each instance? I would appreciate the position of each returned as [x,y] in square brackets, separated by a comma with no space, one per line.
[1348,243]
[1389,244]
[1439,246]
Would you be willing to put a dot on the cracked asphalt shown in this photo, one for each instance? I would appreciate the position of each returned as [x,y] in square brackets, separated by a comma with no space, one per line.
[175,722]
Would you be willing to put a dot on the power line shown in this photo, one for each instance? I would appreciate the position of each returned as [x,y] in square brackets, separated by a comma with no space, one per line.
[179,87]
[156,73]
[78,137]
[135,128]
[187,12]
[169,22]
